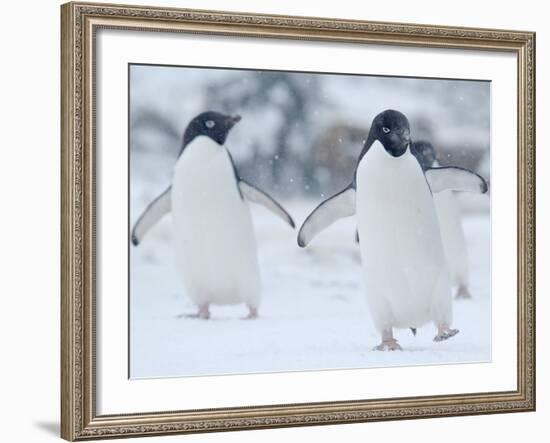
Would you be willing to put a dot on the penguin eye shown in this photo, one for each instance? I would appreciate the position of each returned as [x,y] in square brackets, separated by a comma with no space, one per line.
[210,124]
[386,129]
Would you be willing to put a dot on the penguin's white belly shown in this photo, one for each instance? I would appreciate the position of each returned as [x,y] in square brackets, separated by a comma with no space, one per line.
[406,275]
[214,237]
[452,234]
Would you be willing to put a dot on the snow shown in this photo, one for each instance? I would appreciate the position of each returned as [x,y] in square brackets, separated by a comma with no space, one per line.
[313,314]
[299,138]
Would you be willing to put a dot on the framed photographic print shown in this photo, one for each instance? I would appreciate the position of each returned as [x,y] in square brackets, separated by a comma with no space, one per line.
[283,221]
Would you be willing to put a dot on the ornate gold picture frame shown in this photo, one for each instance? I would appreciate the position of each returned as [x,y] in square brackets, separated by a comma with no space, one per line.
[80,23]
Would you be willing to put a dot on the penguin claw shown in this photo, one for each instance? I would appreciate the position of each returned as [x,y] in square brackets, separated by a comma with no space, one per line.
[388,346]
[202,314]
[445,335]
[252,314]
[463,293]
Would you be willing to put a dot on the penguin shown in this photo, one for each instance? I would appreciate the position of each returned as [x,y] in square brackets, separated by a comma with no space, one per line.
[214,241]
[407,282]
[450,223]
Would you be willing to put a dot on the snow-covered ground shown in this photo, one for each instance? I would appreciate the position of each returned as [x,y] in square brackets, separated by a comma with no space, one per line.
[313,314]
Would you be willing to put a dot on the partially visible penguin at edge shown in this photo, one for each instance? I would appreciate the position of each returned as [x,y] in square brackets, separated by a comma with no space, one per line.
[450,224]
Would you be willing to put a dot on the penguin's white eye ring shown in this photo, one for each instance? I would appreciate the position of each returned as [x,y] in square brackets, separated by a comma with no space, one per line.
[209,124]
[386,129]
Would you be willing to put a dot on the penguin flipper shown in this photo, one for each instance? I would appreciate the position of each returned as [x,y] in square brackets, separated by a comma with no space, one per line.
[454,178]
[157,209]
[256,195]
[336,207]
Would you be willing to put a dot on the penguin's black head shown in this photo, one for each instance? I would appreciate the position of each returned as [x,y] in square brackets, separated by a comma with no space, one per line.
[391,128]
[424,153]
[211,124]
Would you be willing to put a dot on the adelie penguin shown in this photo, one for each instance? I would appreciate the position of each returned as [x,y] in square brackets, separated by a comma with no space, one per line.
[406,275]
[450,223]
[215,246]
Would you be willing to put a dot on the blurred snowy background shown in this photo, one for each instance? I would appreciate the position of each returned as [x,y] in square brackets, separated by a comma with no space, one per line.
[299,139]
[301,133]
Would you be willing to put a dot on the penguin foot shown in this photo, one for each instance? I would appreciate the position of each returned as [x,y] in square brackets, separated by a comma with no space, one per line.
[444,333]
[463,293]
[202,314]
[252,314]
[388,345]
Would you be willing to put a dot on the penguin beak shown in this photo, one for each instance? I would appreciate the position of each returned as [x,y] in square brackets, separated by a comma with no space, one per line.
[235,119]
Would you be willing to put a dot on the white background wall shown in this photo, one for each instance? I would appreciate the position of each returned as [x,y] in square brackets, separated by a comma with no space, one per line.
[29,222]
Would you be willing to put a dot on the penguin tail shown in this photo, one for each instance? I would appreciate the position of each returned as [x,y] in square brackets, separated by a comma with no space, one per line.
[413,330]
